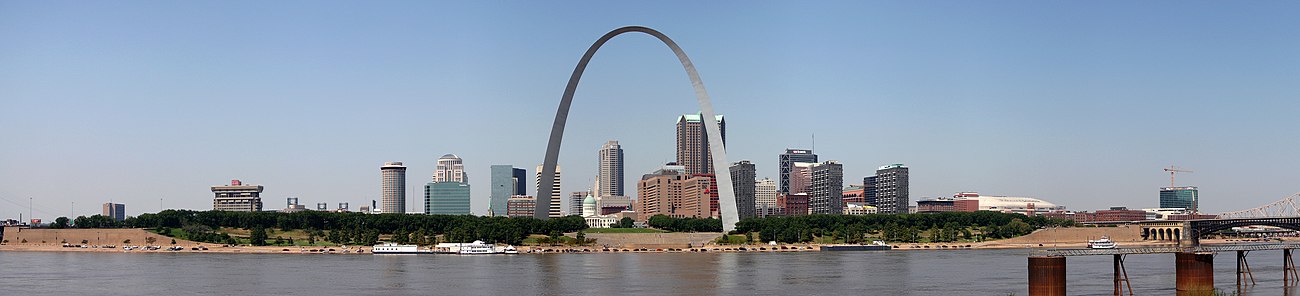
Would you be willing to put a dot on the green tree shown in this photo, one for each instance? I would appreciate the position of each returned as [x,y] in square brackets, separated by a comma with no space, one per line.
[258,236]
[60,223]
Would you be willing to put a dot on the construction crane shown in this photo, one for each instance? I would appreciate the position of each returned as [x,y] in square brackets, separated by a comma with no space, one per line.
[1173,170]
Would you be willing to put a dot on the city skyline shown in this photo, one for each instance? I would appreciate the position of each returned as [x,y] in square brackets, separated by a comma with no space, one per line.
[977,99]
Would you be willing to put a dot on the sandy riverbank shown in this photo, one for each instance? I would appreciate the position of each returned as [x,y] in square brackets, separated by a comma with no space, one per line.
[51,240]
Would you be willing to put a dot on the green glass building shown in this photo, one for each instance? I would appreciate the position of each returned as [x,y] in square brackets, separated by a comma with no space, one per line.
[1179,197]
[446,198]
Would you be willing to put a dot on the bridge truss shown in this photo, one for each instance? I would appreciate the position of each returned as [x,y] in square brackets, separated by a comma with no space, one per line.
[1286,207]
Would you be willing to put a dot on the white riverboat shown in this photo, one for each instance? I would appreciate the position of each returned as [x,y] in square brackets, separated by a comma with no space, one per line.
[474,248]
[391,248]
[1103,243]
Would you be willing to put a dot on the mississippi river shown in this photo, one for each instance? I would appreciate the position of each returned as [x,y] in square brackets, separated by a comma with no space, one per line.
[949,272]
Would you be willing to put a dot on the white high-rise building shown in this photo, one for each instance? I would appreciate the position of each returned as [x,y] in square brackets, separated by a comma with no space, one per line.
[394,187]
[765,193]
[554,211]
[450,169]
[610,180]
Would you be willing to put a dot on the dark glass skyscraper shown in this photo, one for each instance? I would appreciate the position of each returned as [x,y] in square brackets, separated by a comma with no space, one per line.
[1180,197]
[521,187]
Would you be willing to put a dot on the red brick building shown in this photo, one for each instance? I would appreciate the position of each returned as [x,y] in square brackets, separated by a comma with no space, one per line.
[795,204]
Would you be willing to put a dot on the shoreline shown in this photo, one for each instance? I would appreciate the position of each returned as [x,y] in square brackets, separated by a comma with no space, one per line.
[752,248]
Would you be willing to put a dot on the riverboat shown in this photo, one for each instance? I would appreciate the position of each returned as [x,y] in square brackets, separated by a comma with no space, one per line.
[1103,243]
[392,248]
[473,248]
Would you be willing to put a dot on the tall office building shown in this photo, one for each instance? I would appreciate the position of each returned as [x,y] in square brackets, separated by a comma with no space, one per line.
[450,169]
[446,198]
[800,177]
[869,191]
[891,189]
[826,196]
[611,170]
[394,187]
[237,197]
[505,183]
[765,193]
[116,211]
[521,186]
[743,181]
[575,202]
[787,162]
[1180,197]
[554,210]
[693,143]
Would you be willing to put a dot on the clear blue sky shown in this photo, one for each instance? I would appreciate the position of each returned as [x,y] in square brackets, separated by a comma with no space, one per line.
[1078,103]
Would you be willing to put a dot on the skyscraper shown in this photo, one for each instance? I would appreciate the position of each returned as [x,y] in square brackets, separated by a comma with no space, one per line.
[505,183]
[554,210]
[446,198]
[394,187]
[237,197]
[801,177]
[521,186]
[826,194]
[891,188]
[742,180]
[116,211]
[765,193]
[1180,197]
[450,169]
[787,162]
[693,143]
[611,170]
[575,202]
[869,190]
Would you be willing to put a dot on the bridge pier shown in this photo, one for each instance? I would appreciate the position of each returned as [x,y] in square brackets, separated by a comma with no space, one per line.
[1288,268]
[1121,276]
[1195,272]
[1243,269]
[1047,276]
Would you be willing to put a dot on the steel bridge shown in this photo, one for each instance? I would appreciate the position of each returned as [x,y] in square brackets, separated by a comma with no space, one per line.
[1193,262]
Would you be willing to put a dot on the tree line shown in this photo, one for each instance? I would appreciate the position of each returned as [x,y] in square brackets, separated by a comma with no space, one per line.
[347,227]
[942,227]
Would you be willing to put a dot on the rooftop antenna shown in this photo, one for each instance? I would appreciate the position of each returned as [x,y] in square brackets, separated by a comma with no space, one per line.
[814,142]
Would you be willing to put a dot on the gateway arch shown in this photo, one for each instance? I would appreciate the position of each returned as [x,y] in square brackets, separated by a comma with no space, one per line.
[726,195]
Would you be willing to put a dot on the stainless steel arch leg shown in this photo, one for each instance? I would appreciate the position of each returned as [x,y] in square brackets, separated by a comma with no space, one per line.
[726,195]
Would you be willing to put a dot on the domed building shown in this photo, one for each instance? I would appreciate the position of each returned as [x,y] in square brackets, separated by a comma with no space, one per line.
[589,206]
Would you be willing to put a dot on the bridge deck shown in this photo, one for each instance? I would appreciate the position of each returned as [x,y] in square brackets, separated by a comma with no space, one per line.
[1160,250]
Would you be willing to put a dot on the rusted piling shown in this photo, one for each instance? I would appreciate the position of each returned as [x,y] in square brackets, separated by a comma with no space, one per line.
[1195,271]
[1047,276]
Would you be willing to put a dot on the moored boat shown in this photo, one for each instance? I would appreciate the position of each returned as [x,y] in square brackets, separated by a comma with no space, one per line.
[392,248]
[1103,243]
[474,248]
